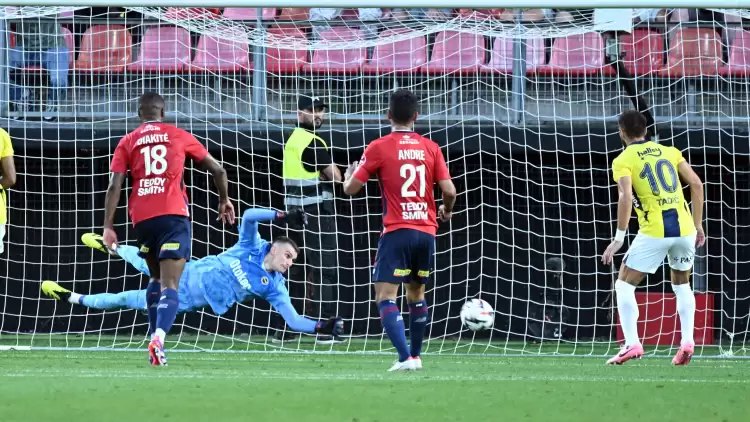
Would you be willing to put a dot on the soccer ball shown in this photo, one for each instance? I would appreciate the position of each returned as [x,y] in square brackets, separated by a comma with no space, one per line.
[477,315]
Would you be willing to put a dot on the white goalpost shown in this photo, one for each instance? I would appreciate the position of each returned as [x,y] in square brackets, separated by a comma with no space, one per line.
[523,101]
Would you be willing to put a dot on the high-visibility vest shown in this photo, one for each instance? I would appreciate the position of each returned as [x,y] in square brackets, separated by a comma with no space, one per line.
[302,187]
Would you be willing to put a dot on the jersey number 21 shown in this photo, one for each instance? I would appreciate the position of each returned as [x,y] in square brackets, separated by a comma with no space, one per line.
[410,172]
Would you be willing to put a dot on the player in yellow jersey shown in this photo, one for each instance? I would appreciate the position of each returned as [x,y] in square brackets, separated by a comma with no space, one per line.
[648,175]
[7,180]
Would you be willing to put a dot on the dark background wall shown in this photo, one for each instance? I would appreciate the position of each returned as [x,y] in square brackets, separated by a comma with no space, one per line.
[526,195]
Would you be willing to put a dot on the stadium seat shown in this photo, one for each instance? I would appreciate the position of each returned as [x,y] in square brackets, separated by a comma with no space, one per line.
[163,49]
[191,13]
[339,61]
[294,13]
[501,59]
[576,55]
[105,48]
[401,56]
[458,52]
[69,42]
[248,13]
[643,51]
[220,55]
[694,52]
[739,56]
[281,60]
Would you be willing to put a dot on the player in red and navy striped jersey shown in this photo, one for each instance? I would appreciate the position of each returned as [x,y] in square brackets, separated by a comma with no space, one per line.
[155,155]
[406,165]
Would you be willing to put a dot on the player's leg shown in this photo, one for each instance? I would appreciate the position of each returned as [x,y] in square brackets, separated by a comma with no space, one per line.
[391,270]
[173,252]
[681,256]
[644,257]
[131,299]
[423,252]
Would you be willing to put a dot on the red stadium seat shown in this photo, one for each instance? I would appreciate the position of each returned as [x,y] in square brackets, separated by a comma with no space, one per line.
[501,59]
[248,13]
[163,49]
[294,13]
[694,52]
[281,60]
[105,48]
[191,13]
[400,56]
[339,61]
[456,52]
[644,51]
[576,55]
[220,55]
[739,56]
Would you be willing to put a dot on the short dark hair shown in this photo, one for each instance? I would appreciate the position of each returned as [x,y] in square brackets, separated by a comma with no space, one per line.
[151,105]
[403,107]
[633,124]
[288,241]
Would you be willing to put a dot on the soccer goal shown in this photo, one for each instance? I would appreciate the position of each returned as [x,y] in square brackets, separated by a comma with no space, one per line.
[524,103]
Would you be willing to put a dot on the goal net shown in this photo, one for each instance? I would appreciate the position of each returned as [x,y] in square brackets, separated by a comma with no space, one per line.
[523,102]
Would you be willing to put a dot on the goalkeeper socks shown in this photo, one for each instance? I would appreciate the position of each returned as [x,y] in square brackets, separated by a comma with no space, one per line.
[153,293]
[166,312]
[393,324]
[686,310]
[627,308]
[418,318]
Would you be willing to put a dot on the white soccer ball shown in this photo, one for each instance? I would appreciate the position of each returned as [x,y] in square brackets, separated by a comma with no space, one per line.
[477,315]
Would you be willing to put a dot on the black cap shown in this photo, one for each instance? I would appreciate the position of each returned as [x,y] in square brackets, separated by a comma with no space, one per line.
[308,101]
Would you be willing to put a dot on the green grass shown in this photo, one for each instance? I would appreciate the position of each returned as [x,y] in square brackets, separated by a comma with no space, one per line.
[99,386]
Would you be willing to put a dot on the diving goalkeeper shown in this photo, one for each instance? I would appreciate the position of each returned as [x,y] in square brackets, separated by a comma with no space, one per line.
[251,269]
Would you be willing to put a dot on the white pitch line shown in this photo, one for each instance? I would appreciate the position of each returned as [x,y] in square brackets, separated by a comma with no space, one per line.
[356,377]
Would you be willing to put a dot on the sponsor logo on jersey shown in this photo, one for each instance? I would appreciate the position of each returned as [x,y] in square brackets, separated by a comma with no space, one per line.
[407,140]
[401,273]
[144,249]
[264,280]
[154,185]
[149,128]
[170,246]
[649,152]
[423,273]
[240,275]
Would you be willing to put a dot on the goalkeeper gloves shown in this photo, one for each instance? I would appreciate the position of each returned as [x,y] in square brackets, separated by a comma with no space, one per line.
[295,218]
[333,326]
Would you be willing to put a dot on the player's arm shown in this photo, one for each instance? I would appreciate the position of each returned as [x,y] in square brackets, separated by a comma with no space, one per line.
[252,216]
[689,177]
[280,301]
[8,178]
[199,153]
[316,156]
[359,172]
[443,179]
[624,204]
[119,168]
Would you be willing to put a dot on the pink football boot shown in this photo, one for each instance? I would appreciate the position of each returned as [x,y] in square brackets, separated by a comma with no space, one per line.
[684,355]
[626,353]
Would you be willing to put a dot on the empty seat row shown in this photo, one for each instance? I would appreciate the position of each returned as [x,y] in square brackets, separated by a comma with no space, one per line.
[693,52]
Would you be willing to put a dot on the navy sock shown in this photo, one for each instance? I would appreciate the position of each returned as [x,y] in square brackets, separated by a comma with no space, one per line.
[393,323]
[153,293]
[167,310]
[418,318]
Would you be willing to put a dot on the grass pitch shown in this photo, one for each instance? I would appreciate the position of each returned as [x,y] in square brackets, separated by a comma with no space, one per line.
[85,386]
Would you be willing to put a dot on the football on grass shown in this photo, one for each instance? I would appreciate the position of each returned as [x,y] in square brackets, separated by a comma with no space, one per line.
[477,315]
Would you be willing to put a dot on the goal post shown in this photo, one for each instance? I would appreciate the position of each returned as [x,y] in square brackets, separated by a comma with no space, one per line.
[524,104]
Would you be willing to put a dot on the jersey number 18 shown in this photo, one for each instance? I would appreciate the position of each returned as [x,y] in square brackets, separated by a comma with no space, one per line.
[154,159]
[657,178]
[410,173]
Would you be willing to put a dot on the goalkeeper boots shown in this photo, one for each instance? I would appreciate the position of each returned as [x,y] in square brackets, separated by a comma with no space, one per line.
[626,353]
[156,355]
[55,291]
[684,355]
[94,241]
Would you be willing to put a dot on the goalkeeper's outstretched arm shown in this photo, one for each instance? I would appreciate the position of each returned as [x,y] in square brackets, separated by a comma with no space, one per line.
[296,322]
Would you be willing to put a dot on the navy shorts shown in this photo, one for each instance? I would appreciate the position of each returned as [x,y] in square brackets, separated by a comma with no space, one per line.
[167,234]
[403,256]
